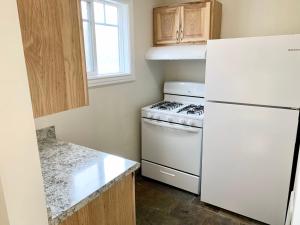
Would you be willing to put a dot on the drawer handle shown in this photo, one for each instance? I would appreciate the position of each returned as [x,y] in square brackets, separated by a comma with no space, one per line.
[169,174]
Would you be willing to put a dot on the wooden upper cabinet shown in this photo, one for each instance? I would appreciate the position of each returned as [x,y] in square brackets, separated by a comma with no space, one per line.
[197,23]
[54,53]
[166,25]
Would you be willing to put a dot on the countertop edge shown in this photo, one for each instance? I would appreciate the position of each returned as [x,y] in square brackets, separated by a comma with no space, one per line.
[60,218]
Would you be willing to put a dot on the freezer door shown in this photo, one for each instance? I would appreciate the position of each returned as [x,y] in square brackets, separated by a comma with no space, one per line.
[260,70]
[247,159]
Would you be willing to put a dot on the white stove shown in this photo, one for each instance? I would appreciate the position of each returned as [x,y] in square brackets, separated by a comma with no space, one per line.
[172,136]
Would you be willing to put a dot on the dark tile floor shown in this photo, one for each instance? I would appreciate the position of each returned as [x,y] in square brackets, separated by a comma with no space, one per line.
[160,204]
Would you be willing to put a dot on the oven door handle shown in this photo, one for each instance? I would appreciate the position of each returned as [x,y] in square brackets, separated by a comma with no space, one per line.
[173,126]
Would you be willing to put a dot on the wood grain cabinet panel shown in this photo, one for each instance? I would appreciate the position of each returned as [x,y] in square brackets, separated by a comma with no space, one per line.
[187,23]
[54,53]
[166,25]
[116,206]
[195,22]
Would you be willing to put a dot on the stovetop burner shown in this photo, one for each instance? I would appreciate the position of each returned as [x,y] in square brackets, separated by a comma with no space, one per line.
[192,109]
[166,105]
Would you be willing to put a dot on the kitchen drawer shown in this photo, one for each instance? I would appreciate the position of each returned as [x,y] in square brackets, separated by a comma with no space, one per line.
[170,176]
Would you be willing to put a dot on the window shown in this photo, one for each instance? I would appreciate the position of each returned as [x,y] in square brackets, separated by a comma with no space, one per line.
[106,28]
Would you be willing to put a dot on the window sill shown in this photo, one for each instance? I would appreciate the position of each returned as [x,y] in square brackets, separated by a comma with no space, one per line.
[95,81]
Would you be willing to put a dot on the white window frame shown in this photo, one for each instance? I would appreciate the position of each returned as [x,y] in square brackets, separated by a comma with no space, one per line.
[125,26]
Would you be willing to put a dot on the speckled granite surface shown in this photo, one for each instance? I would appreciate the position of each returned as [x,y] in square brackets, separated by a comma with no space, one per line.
[75,175]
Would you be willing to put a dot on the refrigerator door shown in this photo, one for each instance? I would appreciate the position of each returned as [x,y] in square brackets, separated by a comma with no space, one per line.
[247,159]
[259,70]
[296,206]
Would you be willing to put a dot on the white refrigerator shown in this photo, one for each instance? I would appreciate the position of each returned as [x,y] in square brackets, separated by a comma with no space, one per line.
[293,214]
[295,218]
[250,125]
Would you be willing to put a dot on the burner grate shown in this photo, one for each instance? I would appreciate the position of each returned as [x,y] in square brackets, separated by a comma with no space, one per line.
[166,105]
[192,109]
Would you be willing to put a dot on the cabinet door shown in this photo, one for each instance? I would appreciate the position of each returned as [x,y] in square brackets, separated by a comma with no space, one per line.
[166,25]
[116,206]
[53,46]
[195,22]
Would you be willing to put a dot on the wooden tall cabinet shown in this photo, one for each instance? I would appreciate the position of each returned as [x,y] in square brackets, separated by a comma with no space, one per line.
[54,53]
[194,22]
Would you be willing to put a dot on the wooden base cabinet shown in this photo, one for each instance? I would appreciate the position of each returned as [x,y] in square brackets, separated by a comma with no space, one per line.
[54,53]
[116,206]
[187,23]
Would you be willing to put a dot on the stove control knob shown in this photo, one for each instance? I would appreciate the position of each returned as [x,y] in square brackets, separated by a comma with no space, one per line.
[156,117]
[190,123]
[149,115]
[182,121]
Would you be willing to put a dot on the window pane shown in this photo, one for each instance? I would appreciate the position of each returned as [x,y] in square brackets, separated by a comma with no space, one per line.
[111,14]
[107,40]
[99,12]
[84,10]
[88,46]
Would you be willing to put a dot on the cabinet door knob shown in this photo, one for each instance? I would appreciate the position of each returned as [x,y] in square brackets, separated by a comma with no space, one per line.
[177,36]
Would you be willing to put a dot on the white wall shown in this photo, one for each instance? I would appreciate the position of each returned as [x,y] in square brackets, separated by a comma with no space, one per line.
[112,121]
[193,70]
[22,200]
[243,18]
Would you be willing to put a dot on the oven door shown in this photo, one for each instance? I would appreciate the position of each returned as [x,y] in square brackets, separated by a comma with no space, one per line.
[172,145]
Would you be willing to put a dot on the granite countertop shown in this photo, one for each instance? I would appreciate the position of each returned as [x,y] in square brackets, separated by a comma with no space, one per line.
[75,175]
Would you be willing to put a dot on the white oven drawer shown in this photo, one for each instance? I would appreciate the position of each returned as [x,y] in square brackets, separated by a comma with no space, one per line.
[172,177]
[172,145]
